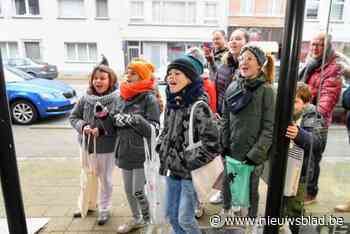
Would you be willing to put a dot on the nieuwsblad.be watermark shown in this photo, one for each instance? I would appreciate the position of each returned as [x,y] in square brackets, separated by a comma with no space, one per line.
[218,221]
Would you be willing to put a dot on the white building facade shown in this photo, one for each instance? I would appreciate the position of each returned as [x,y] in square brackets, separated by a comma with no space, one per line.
[71,34]
[162,30]
[316,16]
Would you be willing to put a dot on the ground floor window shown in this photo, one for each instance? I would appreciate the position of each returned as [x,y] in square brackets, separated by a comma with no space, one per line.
[81,52]
[9,49]
[32,50]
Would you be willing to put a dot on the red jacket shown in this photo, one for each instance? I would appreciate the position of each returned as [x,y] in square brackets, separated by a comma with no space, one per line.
[330,88]
[209,88]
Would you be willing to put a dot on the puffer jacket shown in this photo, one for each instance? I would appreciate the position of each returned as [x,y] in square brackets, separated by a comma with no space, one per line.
[174,138]
[130,148]
[83,114]
[248,134]
[330,88]
[312,132]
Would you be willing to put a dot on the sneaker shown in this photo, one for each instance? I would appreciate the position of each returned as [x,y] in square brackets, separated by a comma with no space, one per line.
[309,200]
[216,198]
[199,211]
[77,214]
[131,225]
[343,207]
[103,217]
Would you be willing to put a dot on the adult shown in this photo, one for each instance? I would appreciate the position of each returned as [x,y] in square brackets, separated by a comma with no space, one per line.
[324,81]
[214,55]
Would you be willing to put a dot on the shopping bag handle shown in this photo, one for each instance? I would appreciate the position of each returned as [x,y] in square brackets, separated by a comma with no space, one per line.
[193,145]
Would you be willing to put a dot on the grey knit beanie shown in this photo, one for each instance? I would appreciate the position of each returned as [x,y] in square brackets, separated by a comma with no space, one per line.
[258,53]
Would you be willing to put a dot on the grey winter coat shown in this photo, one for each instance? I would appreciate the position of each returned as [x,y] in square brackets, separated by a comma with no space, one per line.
[130,151]
[248,134]
[214,65]
[174,138]
[83,114]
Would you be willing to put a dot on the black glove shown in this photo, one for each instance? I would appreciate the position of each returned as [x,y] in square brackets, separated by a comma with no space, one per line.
[250,162]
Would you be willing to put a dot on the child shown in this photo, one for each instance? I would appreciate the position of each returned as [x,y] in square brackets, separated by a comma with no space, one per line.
[184,88]
[248,117]
[133,117]
[308,129]
[101,90]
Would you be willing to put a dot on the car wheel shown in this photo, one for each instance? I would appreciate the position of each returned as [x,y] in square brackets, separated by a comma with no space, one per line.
[32,74]
[23,112]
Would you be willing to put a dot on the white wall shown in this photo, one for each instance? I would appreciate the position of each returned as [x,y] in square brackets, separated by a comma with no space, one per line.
[53,32]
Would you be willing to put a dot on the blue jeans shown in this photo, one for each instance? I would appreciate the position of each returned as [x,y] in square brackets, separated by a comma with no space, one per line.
[181,201]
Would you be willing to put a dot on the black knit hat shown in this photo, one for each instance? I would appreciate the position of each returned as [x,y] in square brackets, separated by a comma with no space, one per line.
[187,65]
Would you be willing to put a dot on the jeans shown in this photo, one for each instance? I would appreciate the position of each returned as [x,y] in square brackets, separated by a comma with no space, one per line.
[181,201]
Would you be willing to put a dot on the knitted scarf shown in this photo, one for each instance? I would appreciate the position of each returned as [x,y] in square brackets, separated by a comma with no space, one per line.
[186,96]
[130,90]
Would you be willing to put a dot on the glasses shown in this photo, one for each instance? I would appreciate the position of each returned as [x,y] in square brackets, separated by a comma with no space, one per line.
[242,59]
[317,45]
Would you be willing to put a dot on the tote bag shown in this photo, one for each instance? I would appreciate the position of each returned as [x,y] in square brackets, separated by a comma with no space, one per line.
[239,174]
[88,178]
[204,177]
[155,187]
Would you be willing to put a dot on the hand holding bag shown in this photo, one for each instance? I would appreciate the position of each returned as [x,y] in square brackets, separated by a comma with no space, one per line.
[88,178]
[203,178]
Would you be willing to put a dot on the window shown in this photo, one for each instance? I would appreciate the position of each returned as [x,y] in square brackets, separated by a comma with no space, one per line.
[312,9]
[174,12]
[247,7]
[101,8]
[32,50]
[71,9]
[337,10]
[133,50]
[27,7]
[210,9]
[136,11]
[0,8]
[9,50]
[81,52]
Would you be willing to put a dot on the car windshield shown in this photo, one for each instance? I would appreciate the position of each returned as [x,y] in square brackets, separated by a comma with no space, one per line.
[15,75]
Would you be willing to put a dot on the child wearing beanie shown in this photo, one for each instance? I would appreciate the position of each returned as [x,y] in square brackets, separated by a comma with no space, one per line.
[133,117]
[184,89]
[248,119]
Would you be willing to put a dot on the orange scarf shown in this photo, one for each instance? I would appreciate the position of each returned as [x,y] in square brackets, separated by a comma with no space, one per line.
[130,90]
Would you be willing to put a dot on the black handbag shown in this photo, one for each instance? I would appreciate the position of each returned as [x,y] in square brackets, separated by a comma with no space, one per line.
[238,101]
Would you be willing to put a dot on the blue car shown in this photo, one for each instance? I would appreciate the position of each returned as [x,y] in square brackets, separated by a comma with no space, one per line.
[32,98]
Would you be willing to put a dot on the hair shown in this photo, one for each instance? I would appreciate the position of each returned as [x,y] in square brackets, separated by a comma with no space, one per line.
[246,34]
[111,75]
[303,92]
[246,37]
[222,32]
[269,69]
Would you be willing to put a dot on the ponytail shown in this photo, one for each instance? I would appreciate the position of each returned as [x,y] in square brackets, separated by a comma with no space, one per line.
[269,69]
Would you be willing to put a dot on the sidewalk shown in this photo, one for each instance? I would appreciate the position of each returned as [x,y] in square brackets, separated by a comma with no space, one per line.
[50,189]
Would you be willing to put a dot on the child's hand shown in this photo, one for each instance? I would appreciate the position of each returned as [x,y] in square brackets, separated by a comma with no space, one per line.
[292,131]
[94,132]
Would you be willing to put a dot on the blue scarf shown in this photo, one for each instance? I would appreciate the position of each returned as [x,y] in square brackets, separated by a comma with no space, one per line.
[186,96]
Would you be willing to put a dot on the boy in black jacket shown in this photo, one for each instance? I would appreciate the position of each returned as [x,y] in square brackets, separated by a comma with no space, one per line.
[307,132]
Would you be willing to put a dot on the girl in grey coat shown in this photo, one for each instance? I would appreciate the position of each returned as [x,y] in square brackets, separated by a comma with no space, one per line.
[101,90]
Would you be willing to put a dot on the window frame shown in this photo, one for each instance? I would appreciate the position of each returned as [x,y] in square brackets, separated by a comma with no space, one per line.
[27,14]
[318,10]
[1,9]
[242,10]
[338,2]
[207,19]
[162,7]
[77,59]
[102,17]
[24,52]
[135,19]
[82,17]
[8,49]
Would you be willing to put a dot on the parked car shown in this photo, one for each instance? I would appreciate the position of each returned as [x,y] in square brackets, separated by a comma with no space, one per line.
[34,68]
[32,98]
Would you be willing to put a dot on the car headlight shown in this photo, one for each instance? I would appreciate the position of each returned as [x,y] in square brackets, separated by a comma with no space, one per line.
[48,96]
